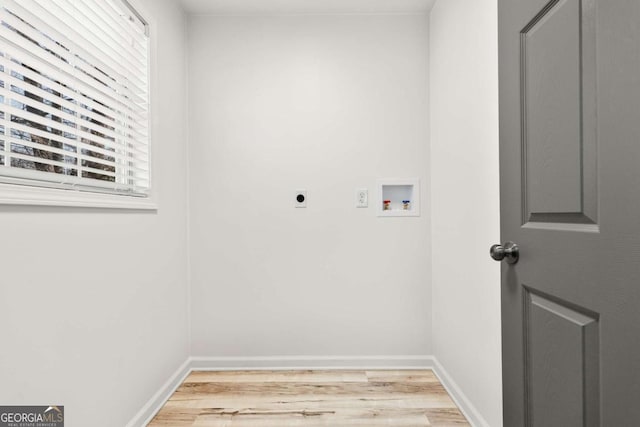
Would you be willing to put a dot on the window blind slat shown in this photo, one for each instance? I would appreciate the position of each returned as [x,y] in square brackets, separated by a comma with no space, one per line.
[84,35]
[70,166]
[43,160]
[138,159]
[90,59]
[74,95]
[96,45]
[72,120]
[28,176]
[131,19]
[54,53]
[88,104]
[118,163]
[122,25]
[66,129]
[85,114]
[41,147]
[131,43]
[67,75]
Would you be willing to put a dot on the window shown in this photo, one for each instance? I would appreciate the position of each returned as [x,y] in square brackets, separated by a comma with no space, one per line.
[74,96]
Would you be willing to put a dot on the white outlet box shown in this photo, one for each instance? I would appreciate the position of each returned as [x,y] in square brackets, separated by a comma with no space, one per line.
[362,198]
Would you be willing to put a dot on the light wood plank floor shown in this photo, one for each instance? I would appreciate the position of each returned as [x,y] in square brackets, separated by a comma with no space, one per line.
[310,399]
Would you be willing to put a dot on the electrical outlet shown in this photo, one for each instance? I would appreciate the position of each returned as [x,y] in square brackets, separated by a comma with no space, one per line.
[362,198]
[300,199]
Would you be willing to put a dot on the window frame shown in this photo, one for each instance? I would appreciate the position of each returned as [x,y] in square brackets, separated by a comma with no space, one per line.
[14,191]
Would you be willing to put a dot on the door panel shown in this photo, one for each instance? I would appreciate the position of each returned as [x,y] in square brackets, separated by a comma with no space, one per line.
[570,199]
[558,120]
[551,85]
[562,348]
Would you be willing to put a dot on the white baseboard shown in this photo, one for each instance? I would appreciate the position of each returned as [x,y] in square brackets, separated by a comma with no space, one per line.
[310,362]
[148,411]
[465,405]
[154,405]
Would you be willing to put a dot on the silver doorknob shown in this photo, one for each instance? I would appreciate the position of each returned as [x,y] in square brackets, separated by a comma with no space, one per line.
[508,251]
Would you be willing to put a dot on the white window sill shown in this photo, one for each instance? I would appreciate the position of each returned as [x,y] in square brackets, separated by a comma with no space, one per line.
[37,196]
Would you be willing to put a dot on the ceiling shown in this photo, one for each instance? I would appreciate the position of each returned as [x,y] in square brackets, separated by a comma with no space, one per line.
[267,7]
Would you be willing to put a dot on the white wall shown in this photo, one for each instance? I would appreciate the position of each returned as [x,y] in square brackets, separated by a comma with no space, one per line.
[465,199]
[327,103]
[93,303]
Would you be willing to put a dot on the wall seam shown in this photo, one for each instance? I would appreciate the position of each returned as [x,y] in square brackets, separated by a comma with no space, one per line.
[188,177]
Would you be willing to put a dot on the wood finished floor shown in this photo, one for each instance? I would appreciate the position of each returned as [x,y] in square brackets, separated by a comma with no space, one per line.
[310,399]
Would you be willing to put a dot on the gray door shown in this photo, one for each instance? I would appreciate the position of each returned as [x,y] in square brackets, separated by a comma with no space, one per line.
[570,195]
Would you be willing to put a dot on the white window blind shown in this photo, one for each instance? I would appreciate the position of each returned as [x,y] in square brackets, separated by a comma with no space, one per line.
[74,95]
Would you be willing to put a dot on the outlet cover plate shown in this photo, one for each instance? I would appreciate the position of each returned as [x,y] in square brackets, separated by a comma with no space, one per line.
[362,198]
[300,198]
